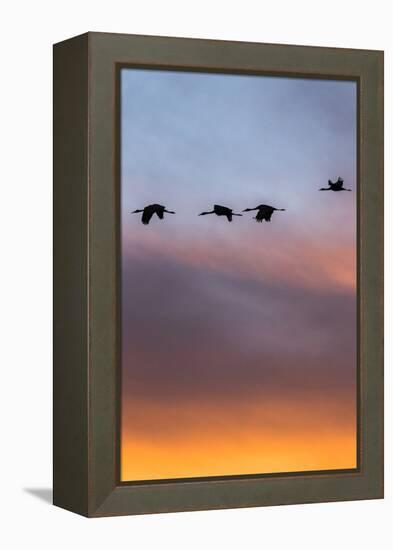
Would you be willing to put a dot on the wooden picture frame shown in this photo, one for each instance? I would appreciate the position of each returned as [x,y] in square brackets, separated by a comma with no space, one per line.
[86,271]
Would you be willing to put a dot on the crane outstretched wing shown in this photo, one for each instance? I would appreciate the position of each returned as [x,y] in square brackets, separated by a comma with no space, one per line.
[147,215]
[267,210]
[264,213]
[261,216]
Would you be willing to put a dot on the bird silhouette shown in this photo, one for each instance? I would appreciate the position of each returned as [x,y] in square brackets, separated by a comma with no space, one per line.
[221,211]
[264,212]
[335,186]
[150,210]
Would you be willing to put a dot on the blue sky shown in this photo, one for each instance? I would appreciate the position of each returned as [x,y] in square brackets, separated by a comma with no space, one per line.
[190,139]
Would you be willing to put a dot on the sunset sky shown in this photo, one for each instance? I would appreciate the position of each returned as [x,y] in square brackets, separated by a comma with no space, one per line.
[238,339]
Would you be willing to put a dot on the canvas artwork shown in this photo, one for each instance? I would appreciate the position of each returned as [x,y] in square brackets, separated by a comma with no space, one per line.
[238,275]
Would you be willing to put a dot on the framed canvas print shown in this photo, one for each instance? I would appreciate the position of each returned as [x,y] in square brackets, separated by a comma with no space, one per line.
[218,249]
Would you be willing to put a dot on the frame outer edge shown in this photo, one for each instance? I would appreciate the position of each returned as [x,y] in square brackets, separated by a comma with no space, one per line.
[372,269]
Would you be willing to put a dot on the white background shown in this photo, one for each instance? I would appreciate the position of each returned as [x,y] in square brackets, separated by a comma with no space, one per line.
[28,29]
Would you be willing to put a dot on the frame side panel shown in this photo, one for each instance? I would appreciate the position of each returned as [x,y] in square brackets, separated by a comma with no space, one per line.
[371,272]
[70,265]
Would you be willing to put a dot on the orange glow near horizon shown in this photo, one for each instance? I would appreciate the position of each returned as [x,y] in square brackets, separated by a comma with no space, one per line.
[199,440]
